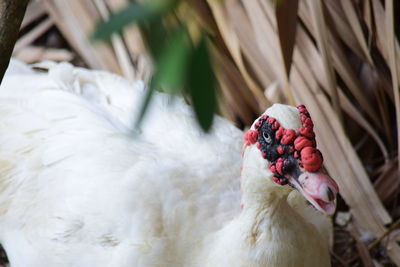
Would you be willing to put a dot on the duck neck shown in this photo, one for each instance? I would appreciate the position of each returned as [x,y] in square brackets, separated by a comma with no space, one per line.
[263,198]
[259,191]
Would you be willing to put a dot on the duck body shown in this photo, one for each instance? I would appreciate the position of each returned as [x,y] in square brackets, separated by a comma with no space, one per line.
[78,189]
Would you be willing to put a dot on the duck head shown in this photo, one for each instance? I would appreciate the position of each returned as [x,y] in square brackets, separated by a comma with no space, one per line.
[281,153]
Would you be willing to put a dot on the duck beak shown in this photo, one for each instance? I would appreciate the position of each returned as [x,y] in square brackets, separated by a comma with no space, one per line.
[319,189]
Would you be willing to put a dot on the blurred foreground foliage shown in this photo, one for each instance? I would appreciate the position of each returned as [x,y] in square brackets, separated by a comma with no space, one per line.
[182,61]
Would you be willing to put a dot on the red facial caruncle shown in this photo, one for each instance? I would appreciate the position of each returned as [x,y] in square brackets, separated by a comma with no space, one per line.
[284,147]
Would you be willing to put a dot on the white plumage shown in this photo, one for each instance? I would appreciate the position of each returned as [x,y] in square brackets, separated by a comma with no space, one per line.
[77,189]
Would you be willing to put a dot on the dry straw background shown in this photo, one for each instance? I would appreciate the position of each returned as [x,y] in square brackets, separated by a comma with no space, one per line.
[345,69]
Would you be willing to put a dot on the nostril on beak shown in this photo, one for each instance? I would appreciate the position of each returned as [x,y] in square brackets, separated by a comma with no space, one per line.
[327,193]
[331,194]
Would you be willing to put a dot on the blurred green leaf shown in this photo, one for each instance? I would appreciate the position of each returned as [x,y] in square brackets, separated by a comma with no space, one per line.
[173,63]
[134,13]
[176,63]
[171,68]
[201,86]
[145,105]
[156,36]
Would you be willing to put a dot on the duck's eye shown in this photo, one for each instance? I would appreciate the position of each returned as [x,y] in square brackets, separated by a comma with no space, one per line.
[267,138]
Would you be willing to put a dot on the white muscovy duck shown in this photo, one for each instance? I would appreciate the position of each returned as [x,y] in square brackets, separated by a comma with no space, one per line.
[76,189]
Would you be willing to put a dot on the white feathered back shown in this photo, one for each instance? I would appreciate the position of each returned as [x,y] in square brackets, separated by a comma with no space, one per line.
[74,179]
